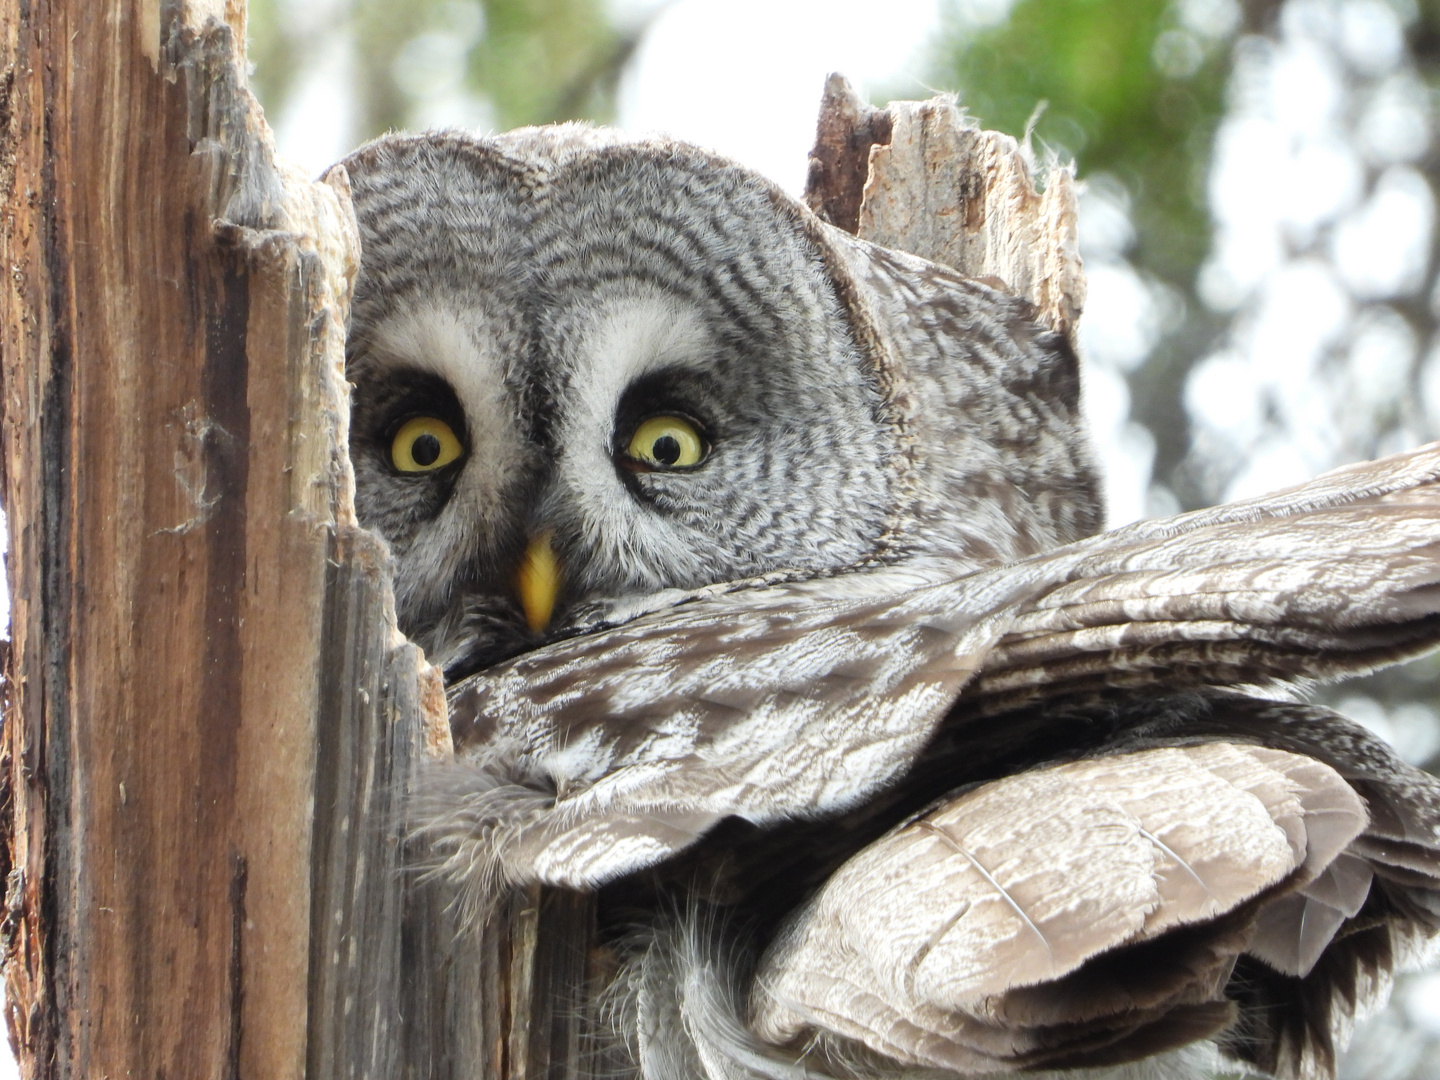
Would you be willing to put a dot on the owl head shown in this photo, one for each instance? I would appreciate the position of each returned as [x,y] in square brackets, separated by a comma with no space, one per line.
[589,369]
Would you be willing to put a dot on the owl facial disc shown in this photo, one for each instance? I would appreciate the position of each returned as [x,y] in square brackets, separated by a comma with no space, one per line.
[682,378]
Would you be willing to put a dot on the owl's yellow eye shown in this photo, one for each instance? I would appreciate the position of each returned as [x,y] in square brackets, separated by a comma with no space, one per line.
[666,442]
[424,444]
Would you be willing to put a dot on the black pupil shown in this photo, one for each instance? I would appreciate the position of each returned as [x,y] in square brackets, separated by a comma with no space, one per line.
[426,449]
[666,449]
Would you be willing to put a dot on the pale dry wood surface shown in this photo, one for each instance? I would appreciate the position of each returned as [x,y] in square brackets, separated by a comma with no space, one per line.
[922,177]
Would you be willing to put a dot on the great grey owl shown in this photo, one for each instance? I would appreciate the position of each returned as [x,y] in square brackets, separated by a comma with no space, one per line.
[757,559]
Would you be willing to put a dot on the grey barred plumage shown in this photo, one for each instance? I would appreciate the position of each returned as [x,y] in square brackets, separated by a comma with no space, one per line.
[830,632]
[598,276]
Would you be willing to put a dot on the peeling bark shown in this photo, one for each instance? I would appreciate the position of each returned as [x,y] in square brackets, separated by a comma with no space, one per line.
[194,800]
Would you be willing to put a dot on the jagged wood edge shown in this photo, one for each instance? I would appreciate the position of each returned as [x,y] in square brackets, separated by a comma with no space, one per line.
[924,178]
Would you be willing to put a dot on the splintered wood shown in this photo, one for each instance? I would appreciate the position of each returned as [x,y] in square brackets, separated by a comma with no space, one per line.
[202,757]
[920,176]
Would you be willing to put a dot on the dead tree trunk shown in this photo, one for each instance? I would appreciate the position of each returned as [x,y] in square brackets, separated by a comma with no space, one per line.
[202,742]
[211,722]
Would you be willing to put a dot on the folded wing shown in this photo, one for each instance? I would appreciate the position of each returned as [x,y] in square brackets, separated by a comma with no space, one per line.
[1065,916]
[608,752]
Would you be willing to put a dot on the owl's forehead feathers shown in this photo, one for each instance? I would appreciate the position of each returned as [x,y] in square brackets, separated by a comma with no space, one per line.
[438,209]
[471,348]
[636,332]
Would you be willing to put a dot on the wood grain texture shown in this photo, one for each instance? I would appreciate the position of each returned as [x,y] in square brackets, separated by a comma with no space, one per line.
[923,178]
[194,803]
[376,692]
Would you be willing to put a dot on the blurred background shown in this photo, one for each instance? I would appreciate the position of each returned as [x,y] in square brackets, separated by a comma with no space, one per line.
[1257,220]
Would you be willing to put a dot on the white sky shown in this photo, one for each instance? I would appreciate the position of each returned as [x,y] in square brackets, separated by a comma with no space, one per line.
[742,77]
[704,74]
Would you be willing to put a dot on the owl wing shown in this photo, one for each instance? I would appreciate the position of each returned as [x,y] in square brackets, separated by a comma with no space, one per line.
[972,938]
[1257,868]
[1315,965]
[608,752]
[1335,577]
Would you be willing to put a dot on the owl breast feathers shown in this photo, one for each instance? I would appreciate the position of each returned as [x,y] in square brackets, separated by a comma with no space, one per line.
[762,564]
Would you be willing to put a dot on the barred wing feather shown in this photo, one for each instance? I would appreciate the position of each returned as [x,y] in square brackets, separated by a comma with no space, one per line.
[605,753]
[964,940]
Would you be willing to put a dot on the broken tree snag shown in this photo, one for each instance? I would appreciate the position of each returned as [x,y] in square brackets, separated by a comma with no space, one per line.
[840,161]
[934,184]
[185,572]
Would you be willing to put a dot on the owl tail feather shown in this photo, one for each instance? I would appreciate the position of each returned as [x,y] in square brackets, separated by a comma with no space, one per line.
[1379,901]
[1258,890]
[1083,914]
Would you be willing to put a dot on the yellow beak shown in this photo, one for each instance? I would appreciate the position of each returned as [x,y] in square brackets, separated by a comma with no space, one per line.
[537,580]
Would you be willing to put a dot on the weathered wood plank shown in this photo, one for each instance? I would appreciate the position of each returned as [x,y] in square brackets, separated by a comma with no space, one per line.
[373,688]
[211,720]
